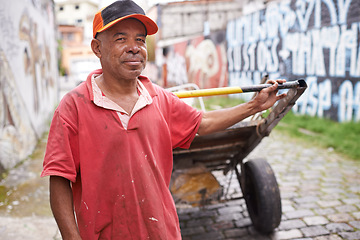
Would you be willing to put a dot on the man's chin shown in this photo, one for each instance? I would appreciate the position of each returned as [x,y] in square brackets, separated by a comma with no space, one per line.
[133,74]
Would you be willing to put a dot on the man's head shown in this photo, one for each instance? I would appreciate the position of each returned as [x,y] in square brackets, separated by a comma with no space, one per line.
[119,39]
[118,11]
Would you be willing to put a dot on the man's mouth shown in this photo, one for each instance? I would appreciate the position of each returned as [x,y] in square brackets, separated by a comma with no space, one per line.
[133,62]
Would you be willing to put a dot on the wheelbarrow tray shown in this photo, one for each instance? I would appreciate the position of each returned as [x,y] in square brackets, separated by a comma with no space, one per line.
[227,149]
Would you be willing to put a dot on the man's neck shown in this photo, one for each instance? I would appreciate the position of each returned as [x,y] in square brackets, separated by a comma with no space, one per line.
[123,93]
[117,87]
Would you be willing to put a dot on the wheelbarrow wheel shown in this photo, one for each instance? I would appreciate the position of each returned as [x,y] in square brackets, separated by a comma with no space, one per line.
[262,195]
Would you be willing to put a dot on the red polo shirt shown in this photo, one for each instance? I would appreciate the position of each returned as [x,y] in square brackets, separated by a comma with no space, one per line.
[120,177]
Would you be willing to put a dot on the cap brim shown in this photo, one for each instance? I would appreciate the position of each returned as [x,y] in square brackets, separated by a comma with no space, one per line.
[150,25]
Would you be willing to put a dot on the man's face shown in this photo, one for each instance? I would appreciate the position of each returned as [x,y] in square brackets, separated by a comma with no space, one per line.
[123,49]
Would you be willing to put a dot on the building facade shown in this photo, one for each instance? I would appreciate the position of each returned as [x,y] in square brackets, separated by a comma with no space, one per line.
[28,79]
[78,13]
[74,18]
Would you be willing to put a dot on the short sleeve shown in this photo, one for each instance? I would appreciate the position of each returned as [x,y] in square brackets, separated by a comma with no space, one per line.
[184,124]
[62,147]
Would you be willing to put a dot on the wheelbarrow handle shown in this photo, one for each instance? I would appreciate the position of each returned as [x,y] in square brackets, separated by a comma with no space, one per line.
[233,90]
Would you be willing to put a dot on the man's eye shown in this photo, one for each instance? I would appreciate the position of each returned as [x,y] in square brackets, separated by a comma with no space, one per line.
[141,40]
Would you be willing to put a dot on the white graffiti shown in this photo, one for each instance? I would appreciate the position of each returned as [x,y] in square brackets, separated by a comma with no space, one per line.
[197,65]
[203,59]
[314,39]
[176,70]
[349,102]
[316,99]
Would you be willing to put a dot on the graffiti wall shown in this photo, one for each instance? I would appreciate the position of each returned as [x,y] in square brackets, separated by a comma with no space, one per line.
[317,40]
[28,73]
[201,60]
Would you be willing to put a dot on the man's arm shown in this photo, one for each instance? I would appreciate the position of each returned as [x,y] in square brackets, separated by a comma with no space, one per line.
[61,201]
[218,120]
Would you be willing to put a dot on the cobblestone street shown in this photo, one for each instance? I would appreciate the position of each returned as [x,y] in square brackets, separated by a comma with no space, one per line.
[320,193]
[320,197]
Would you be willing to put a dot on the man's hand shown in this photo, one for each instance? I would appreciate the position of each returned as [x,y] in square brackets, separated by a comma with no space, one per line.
[218,120]
[267,97]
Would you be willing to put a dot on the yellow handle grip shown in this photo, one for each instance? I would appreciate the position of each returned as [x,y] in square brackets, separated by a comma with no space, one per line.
[209,92]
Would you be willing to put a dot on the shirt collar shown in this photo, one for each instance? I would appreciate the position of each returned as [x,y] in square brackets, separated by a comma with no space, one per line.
[146,83]
[102,101]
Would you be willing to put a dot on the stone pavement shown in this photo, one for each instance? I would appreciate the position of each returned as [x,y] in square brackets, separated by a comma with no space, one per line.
[320,198]
[320,193]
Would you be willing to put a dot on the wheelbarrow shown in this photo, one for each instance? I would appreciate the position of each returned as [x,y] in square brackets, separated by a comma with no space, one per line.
[226,151]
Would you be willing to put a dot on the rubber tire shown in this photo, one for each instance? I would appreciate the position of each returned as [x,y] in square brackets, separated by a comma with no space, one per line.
[262,195]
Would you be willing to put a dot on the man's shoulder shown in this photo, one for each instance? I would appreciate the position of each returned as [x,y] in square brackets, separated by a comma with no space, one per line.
[79,93]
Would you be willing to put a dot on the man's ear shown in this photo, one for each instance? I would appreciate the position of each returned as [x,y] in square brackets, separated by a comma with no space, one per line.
[95,46]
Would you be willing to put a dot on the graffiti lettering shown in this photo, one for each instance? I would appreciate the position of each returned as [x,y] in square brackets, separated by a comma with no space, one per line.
[349,101]
[324,97]
[317,40]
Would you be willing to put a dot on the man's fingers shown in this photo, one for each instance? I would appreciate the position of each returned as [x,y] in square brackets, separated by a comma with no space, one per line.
[281,96]
[273,87]
[274,81]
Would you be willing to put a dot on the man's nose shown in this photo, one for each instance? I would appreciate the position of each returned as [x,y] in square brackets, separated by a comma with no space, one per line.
[133,47]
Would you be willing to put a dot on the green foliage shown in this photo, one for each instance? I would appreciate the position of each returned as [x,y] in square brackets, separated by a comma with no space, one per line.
[342,137]
[217,102]
[60,49]
[3,195]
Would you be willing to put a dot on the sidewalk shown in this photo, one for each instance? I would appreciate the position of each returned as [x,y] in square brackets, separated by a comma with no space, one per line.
[24,202]
[320,198]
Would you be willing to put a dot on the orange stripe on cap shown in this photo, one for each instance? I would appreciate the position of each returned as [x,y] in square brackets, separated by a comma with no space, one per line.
[97,23]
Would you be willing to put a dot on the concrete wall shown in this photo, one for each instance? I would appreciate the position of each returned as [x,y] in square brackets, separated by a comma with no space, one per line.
[193,18]
[28,76]
[200,60]
[191,43]
[316,40]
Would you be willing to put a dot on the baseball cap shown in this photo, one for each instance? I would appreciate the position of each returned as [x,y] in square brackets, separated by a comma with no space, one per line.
[118,11]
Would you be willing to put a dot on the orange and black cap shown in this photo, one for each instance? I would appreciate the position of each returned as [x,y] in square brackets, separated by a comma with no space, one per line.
[118,11]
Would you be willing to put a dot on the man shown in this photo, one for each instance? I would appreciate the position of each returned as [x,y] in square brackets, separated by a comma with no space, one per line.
[109,152]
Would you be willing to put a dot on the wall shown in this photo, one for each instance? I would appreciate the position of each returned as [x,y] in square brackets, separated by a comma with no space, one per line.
[194,17]
[317,40]
[191,43]
[28,76]
[199,60]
